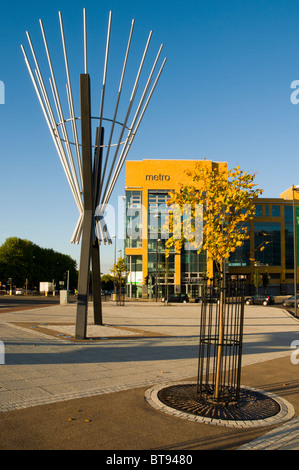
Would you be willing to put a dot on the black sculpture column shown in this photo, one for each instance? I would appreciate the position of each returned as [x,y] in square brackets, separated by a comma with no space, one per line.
[88,209]
[95,251]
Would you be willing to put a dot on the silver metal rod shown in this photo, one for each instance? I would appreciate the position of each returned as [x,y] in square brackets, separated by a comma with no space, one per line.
[141,63]
[101,235]
[55,130]
[133,133]
[39,95]
[75,133]
[77,194]
[38,72]
[119,143]
[70,98]
[65,164]
[130,138]
[50,112]
[100,232]
[149,97]
[69,151]
[78,229]
[98,180]
[133,94]
[117,105]
[66,143]
[43,109]
[85,40]
[145,91]
[105,69]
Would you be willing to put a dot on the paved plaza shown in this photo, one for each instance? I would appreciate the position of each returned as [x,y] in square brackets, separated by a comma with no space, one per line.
[139,346]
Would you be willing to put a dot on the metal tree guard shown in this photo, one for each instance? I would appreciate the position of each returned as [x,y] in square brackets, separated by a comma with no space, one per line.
[225,388]
[217,395]
[91,170]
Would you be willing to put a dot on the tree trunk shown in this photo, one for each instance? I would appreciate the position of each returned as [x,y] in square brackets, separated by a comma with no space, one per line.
[220,341]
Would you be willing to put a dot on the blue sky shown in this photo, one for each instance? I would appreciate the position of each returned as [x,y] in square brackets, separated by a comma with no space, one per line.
[224,94]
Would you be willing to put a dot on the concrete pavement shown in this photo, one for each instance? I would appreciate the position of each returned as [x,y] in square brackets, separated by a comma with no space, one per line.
[140,345]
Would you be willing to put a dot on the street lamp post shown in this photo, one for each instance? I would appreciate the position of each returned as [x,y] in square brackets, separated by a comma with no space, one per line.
[10,286]
[114,283]
[157,268]
[131,277]
[295,188]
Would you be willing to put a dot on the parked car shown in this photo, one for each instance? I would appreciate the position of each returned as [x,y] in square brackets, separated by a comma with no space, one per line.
[19,291]
[260,299]
[183,298]
[212,299]
[290,302]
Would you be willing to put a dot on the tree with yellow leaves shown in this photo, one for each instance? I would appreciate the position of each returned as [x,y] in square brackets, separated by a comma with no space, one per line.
[119,270]
[226,199]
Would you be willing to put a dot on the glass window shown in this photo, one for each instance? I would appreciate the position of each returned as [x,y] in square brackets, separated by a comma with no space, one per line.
[158,212]
[267,240]
[134,276]
[288,213]
[134,262]
[275,211]
[289,237]
[258,210]
[241,255]
[158,263]
[193,262]
[133,219]
[267,211]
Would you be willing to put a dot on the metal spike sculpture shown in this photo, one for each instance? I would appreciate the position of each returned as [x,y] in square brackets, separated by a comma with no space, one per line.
[93,173]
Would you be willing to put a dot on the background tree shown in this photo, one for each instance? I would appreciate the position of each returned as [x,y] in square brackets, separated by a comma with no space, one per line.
[226,197]
[256,280]
[119,270]
[265,280]
[21,259]
[107,282]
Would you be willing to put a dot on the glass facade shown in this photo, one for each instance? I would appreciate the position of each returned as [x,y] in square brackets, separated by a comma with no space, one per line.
[258,210]
[135,276]
[241,255]
[289,237]
[157,217]
[271,245]
[275,210]
[193,263]
[267,243]
[193,268]
[160,268]
[269,248]
[133,237]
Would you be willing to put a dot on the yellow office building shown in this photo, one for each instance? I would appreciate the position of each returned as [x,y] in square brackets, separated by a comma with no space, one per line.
[148,183]
[151,274]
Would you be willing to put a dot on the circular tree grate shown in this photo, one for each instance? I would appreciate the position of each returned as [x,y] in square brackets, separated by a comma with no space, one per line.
[251,405]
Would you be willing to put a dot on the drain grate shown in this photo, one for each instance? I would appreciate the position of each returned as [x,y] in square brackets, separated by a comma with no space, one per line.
[251,405]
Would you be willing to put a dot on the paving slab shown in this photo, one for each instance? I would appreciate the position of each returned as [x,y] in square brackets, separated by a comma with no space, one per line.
[47,374]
